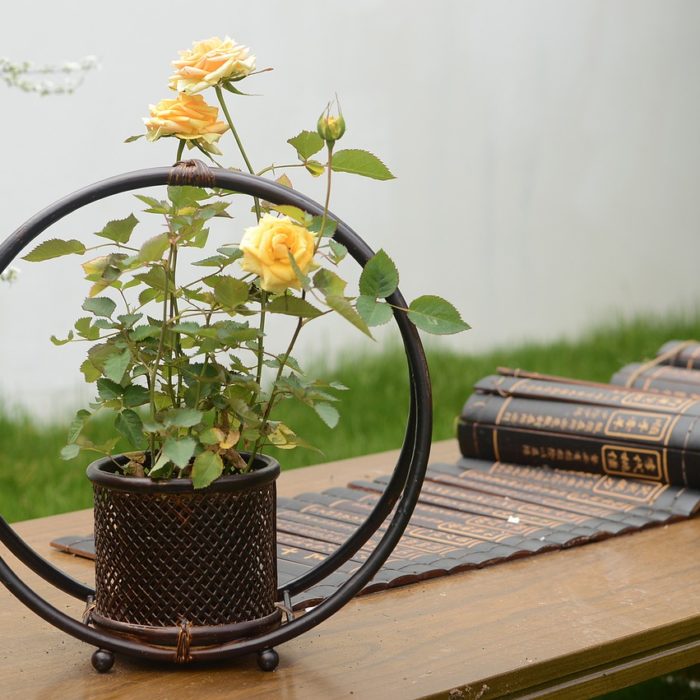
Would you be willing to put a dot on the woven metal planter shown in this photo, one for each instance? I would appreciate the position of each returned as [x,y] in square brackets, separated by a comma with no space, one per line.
[185,567]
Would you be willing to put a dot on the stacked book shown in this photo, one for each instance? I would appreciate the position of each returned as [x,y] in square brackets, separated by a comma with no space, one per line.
[644,425]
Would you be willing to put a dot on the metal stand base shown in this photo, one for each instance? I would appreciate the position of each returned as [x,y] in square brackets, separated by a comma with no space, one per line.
[268,659]
[102,660]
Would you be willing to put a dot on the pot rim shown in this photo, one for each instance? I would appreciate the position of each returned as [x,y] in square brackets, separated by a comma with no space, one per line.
[102,473]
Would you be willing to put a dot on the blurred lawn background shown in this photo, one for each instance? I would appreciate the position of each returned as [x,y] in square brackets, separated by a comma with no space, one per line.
[35,482]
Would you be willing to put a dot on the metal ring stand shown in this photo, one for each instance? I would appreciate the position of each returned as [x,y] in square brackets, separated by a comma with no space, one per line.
[401,492]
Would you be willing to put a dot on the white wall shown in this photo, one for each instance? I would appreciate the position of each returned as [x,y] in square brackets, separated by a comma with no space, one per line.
[546,151]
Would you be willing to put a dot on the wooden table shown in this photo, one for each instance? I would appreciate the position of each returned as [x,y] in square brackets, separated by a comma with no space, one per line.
[572,623]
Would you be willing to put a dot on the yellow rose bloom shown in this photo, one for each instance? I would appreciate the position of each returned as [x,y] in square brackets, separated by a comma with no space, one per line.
[267,247]
[209,62]
[189,118]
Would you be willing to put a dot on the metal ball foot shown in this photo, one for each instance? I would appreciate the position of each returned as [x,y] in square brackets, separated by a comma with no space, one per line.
[268,659]
[102,660]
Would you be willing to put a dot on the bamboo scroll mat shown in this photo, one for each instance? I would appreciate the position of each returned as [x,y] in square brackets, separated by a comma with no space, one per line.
[470,514]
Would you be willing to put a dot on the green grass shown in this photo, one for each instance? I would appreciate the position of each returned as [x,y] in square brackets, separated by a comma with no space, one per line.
[34,482]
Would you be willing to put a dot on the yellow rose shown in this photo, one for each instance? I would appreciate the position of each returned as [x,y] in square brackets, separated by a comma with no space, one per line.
[267,247]
[189,118]
[209,62]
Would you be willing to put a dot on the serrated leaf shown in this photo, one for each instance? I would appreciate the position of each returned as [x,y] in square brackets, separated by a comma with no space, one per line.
[90,372]
[230,292]
[119,230]
[86,329]
[153,249]
[327,413]
[108,389]
[292,306]
[186,196]
[143,332]
[155,277]
[379,277]
[207,467]
[375,313]
[129,426]
[179,451]
[435,315]
[359,162]
[116,365]
[70,451]
[306,144]
[100,306]
[55,248]
[135,395]
[182,417]
[329,283]
[338,249]
[328,228]
[346,310]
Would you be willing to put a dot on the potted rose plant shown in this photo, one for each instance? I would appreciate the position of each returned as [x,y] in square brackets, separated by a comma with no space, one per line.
[185,519]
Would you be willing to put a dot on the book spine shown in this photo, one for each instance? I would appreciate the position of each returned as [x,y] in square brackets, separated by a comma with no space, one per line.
[680,353]
[655,446]
[611,395]
[665,379]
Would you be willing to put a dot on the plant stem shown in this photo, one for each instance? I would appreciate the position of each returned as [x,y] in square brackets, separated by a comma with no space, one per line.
[180,149]
[229,121]
[274,167]
[300,322]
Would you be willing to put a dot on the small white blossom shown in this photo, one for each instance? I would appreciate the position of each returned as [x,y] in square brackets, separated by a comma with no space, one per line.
[10,275]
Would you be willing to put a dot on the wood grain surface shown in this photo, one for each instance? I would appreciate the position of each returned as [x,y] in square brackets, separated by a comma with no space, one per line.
[571,623]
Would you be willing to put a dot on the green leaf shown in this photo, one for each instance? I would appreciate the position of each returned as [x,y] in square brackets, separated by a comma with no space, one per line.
[375,313]
[154,248]
[58,341]
[358,162]
[328,228]
[77,425]
[328,414]
[131,139]
[160,469]
[182,417]
[435,315]
[315,168]
[329,283]
[306,143]
[108,390]
[379,277]
[292,306]
[142,332]
[155,277]
[294,213]
[86,330]
[90,372]
[303,278]
[116,365]
[135,395]
[129,426]
[211,436]
[186,196]
[338,249]
[100,306]
[119,230]
[346,310]
[70,451]
[155,206]
[179,451]
[207,467]
[54,248]
[230,292]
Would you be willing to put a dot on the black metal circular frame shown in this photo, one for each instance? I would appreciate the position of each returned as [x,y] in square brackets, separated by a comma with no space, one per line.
[401,492]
